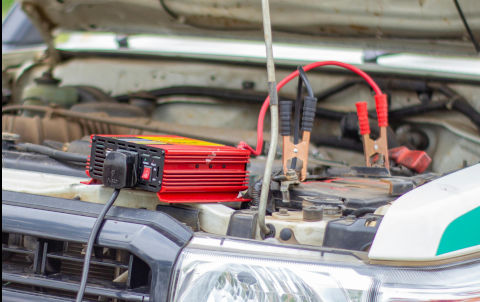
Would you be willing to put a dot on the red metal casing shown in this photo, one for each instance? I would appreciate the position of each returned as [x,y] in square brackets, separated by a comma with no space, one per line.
[192,171]
[208,173]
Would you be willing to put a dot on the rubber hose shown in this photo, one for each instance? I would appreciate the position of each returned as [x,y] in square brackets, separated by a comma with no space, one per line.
[53,153]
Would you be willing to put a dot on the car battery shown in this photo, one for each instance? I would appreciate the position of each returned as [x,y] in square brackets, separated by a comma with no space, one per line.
[178,169]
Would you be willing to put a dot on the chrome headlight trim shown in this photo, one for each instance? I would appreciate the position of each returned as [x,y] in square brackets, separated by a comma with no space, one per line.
[212,269]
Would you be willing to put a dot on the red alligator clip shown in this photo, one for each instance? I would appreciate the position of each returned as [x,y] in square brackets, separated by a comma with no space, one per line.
[413,159]
[376,151]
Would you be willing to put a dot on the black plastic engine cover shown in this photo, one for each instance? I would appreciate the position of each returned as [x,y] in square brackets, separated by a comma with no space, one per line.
[348,192]
[352,233]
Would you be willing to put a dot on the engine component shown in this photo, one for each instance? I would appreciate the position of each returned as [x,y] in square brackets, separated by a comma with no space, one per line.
[9,140]
[243,224]
[189,216]
[412,159]
[38,162]
[143,101]
[47,91]
[66,125]
[312,213]
[51,152]
[292,228]
[178,169]
[352,233]
[336,193]
[412,137]
[37,129]
[112,109]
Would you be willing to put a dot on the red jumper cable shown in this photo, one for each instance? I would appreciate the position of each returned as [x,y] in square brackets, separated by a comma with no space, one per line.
[371,147]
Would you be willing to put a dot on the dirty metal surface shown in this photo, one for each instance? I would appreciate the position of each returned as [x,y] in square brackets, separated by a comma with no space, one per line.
[67,126]
[380,24]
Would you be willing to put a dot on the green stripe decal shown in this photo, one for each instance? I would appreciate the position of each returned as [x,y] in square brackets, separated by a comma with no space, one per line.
[461,233]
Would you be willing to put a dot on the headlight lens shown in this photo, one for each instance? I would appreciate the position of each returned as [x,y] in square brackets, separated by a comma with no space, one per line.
[235,270]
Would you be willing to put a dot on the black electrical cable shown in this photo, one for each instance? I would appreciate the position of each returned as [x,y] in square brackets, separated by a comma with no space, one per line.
[458,103]
[338,142]
[91,242]
[53,153]
[417,109]
[454,104]
[305,81]
[297,113]
[220,93]
[296,118]
[467,27]
[466,109]
[256,97]
[338,88]
[359,212]
[232,94]
[330,114]
[454,101]
[362,211]
[302,80]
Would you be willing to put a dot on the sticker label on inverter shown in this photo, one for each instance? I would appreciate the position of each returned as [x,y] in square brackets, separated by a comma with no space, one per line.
[166,140]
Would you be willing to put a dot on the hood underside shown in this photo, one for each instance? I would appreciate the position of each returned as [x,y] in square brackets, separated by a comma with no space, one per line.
[390,25]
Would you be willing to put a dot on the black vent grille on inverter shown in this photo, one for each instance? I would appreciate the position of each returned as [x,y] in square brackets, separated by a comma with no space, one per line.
[53,268]
[100,147]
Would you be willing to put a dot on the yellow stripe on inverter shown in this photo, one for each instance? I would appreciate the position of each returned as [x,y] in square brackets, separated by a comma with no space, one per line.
[175,140]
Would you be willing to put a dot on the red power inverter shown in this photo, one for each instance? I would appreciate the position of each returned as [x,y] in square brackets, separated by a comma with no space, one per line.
[178,169]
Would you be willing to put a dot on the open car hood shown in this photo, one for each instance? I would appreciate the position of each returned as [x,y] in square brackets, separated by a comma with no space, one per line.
[431,26]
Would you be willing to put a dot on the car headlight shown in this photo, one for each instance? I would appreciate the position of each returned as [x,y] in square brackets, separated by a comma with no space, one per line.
[213,269]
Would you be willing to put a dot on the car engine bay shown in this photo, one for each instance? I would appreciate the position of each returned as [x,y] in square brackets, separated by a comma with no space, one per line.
[339,195]
[149,155]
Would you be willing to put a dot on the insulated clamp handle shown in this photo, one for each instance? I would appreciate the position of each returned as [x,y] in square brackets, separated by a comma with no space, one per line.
[362,114]
[285,110]
[382,109]
[309,109]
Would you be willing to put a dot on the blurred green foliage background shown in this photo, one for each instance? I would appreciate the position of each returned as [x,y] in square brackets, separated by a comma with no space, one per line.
[6,6]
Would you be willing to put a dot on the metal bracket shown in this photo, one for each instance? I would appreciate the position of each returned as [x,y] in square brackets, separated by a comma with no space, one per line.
[292,179]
